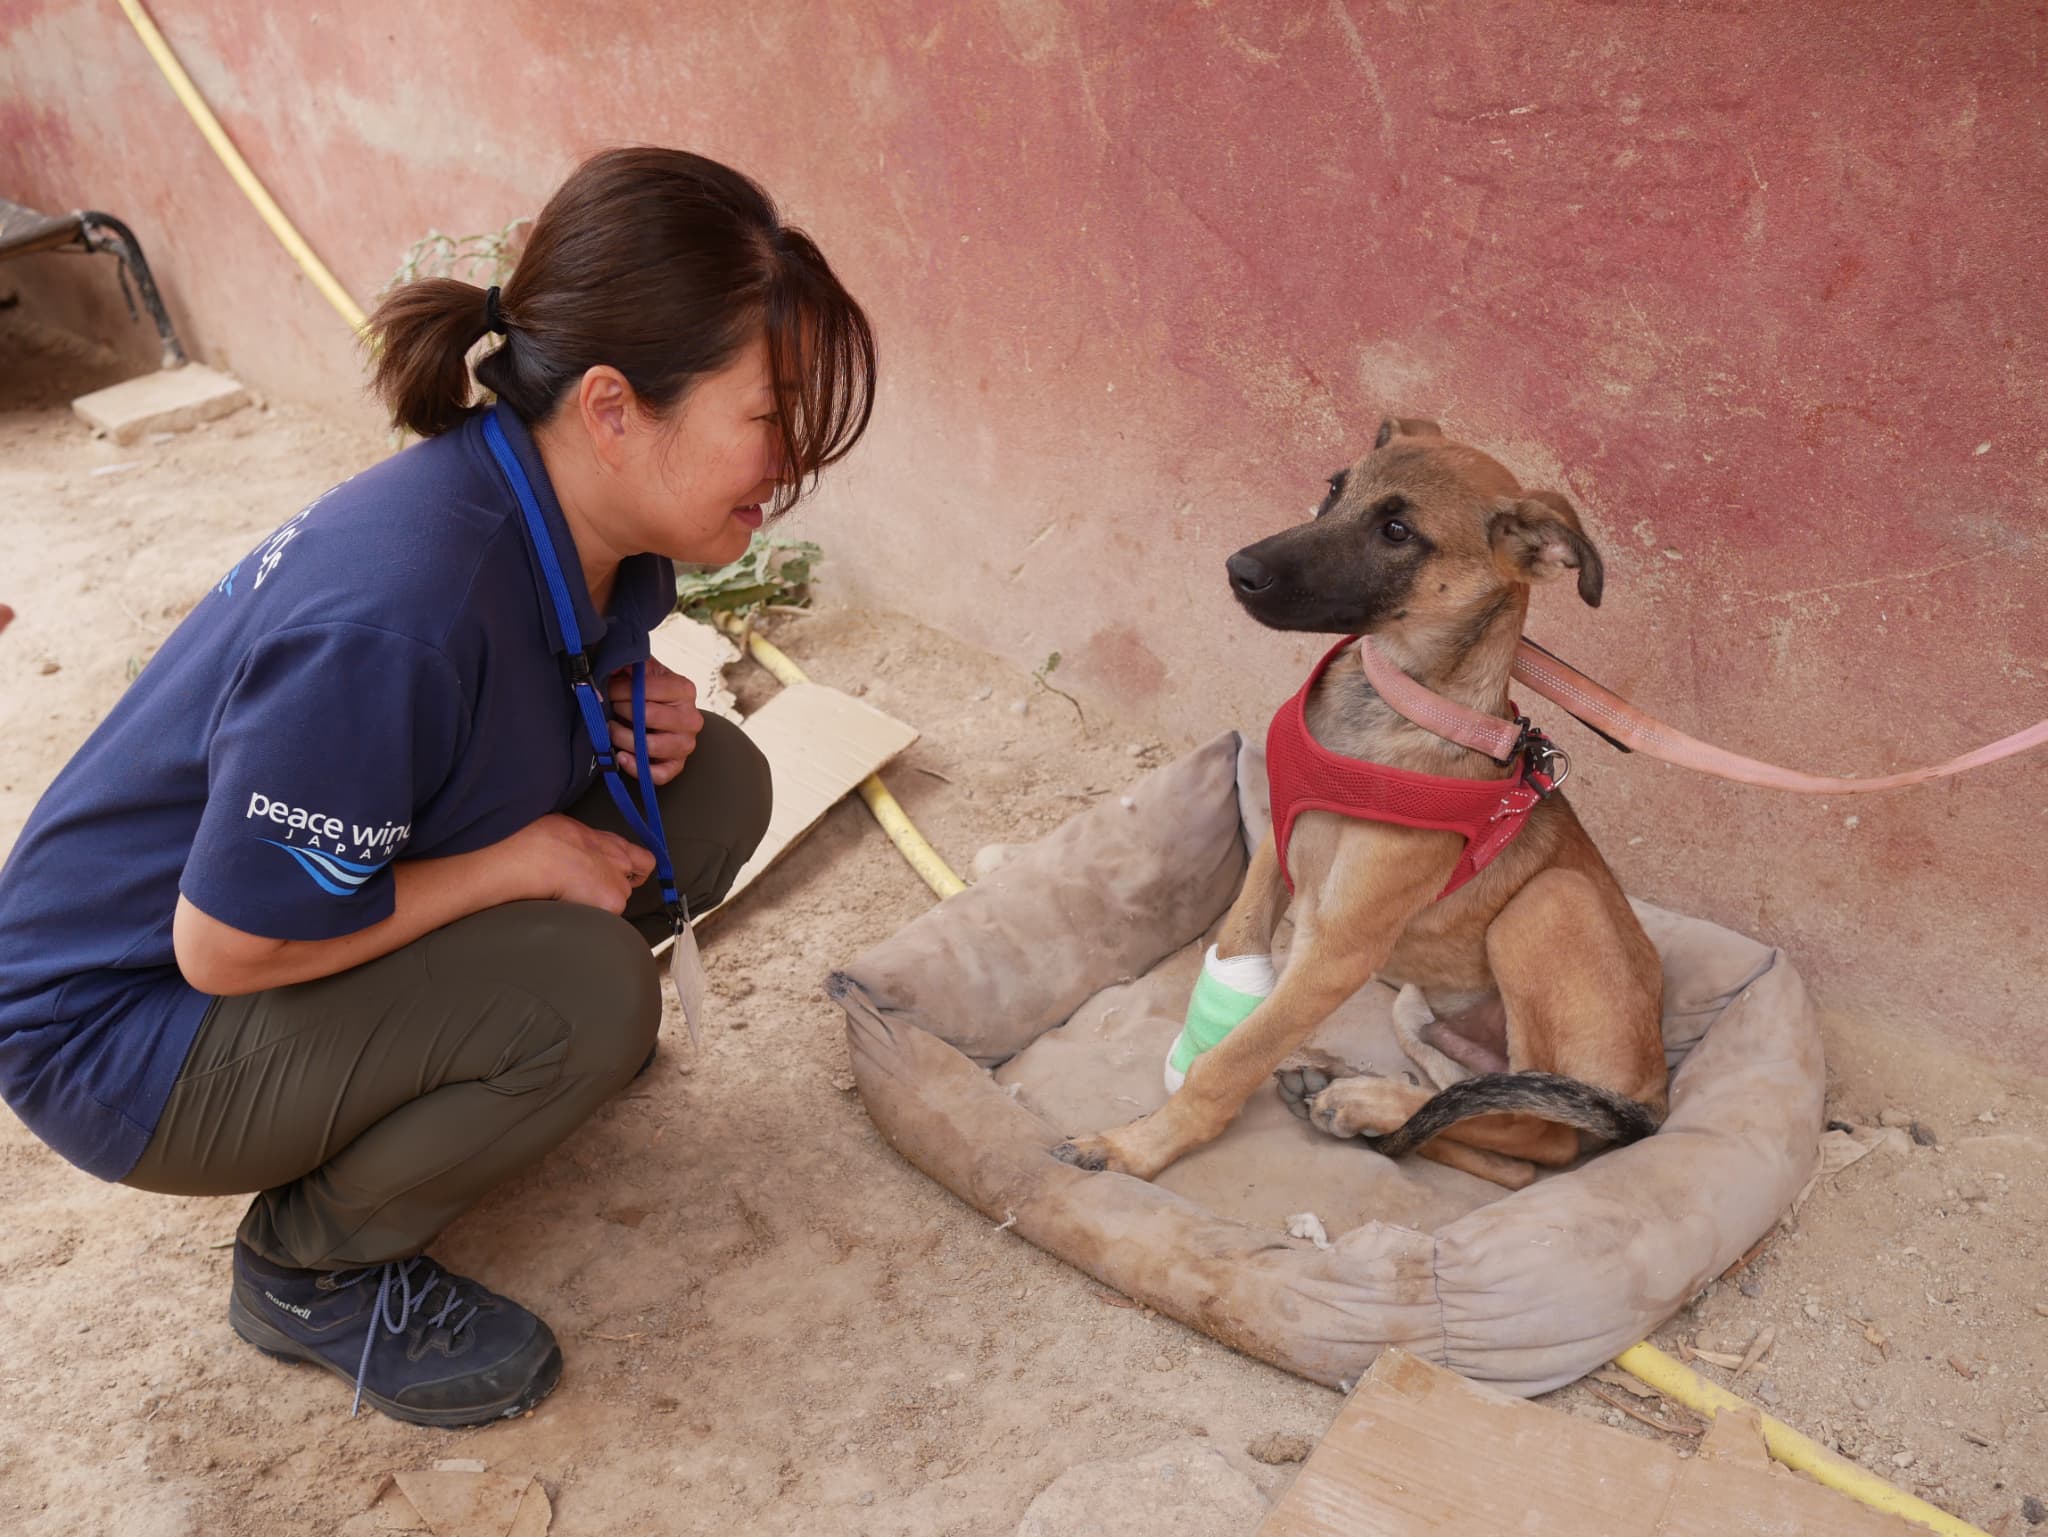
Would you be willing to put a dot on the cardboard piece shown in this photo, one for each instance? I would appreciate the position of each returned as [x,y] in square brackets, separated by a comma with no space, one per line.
[700,654]
[1418,1449]
[535,1516]
[461,1504]
[390,1512]
[1738,1438]
[820,744]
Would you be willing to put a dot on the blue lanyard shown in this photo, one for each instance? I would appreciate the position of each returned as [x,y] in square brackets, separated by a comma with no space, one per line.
[644,819]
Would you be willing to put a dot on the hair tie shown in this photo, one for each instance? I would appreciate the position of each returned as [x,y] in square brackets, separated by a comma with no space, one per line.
[494,319]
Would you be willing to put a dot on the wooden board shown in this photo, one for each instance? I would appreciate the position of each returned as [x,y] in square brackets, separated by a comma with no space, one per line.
[1418,1449]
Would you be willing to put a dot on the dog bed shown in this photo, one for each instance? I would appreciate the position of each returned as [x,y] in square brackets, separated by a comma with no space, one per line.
[1041,1003]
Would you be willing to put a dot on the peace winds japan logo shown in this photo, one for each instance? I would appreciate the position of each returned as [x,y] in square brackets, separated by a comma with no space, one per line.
[337,856]
[271,551]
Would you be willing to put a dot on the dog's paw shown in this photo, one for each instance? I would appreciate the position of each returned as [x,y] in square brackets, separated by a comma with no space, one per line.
[1140,1149]
[1306,1074]
[1328,1114]
[1090,1153]
[1363,1106]
[1299,1083]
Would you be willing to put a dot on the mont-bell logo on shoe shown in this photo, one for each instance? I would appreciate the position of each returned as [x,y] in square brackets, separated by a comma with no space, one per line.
[293,1308]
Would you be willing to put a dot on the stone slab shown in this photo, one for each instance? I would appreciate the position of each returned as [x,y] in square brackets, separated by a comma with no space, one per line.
[175,400]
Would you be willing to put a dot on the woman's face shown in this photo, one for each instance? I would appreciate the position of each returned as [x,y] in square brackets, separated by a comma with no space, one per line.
[701,478]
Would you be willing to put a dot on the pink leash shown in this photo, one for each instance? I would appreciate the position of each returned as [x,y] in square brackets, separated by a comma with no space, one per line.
[1631,730]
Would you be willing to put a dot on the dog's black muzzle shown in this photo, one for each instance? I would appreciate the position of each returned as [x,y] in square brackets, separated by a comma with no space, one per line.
[1304,579]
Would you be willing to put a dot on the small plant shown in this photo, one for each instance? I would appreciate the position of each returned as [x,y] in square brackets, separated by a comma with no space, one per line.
[1043,677]
[480,259]
[773,574]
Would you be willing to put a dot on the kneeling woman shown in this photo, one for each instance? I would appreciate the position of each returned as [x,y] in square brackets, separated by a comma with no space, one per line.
[349,901]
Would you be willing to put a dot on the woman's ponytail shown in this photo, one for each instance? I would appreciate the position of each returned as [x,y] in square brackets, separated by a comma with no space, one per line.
[422,334]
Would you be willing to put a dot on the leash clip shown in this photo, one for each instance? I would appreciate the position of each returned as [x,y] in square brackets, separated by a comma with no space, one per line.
[1541,758]
[1525,731]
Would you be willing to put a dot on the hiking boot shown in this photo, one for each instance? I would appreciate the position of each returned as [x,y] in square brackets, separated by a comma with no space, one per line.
[422,1345]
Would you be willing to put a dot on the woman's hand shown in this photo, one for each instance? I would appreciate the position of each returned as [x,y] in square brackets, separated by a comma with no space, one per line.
[553,859]
[559,859]
[556,858]
[672,721]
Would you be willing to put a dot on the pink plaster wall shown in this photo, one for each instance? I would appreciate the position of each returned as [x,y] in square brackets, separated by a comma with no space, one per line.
[1759,286]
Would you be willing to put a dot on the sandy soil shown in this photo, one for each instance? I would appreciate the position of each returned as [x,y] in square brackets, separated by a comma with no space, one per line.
[771,1323]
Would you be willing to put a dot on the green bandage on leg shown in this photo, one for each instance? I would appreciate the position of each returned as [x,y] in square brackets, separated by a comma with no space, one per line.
[1225,995]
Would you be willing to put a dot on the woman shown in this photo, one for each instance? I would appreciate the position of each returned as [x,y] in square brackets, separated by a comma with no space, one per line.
[348,902]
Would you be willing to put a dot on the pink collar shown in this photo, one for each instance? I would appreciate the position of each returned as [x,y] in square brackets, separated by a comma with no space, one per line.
[1499,739]
[1504,741]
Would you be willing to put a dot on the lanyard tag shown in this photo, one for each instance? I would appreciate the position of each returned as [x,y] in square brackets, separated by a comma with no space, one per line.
[686,971]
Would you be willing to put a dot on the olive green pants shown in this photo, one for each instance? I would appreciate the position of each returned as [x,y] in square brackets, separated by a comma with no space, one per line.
[370,1108]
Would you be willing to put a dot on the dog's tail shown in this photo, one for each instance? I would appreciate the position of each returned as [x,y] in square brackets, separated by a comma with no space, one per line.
[1613,1117]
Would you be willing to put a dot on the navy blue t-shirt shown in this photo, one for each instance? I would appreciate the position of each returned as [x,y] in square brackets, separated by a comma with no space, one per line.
[377,680]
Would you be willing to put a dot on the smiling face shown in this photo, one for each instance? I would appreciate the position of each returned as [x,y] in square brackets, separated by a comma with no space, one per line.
[1419,533]
[690,482]
[702,478]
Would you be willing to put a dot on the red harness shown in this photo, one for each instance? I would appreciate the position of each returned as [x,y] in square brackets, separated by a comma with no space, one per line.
[1306,776]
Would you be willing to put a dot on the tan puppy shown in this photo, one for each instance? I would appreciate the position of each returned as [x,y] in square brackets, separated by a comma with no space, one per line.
[1536,965]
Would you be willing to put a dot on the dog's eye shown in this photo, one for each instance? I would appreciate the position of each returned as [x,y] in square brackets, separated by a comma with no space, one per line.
[1330,497]
[1394,531]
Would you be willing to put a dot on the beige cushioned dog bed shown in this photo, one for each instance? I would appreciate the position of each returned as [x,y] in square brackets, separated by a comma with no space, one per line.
[1041,1003]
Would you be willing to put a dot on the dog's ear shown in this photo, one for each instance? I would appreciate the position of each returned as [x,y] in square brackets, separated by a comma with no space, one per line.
[1405,427]
[1538,539]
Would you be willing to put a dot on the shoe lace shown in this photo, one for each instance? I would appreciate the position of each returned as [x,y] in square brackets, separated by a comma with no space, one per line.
[404,1291]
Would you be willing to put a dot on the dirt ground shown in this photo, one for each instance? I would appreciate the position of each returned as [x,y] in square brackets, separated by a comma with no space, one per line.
[771,1323]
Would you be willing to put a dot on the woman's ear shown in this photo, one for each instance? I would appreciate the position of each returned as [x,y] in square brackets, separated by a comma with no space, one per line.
[605,403]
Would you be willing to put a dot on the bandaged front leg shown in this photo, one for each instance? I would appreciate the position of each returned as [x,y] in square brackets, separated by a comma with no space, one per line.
[1225,995]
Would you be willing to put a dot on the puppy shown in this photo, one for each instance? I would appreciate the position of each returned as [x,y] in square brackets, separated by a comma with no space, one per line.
[1530,994]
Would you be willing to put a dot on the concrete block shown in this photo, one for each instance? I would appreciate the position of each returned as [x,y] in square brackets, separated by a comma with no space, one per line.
[176,400]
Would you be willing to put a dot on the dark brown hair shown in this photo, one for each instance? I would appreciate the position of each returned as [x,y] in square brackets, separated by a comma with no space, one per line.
[662,264]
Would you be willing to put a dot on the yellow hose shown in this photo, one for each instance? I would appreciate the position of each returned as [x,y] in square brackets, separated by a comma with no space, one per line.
[923,858]
[1688,1387]
[238,168]
[1644,1362]
[910,843]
